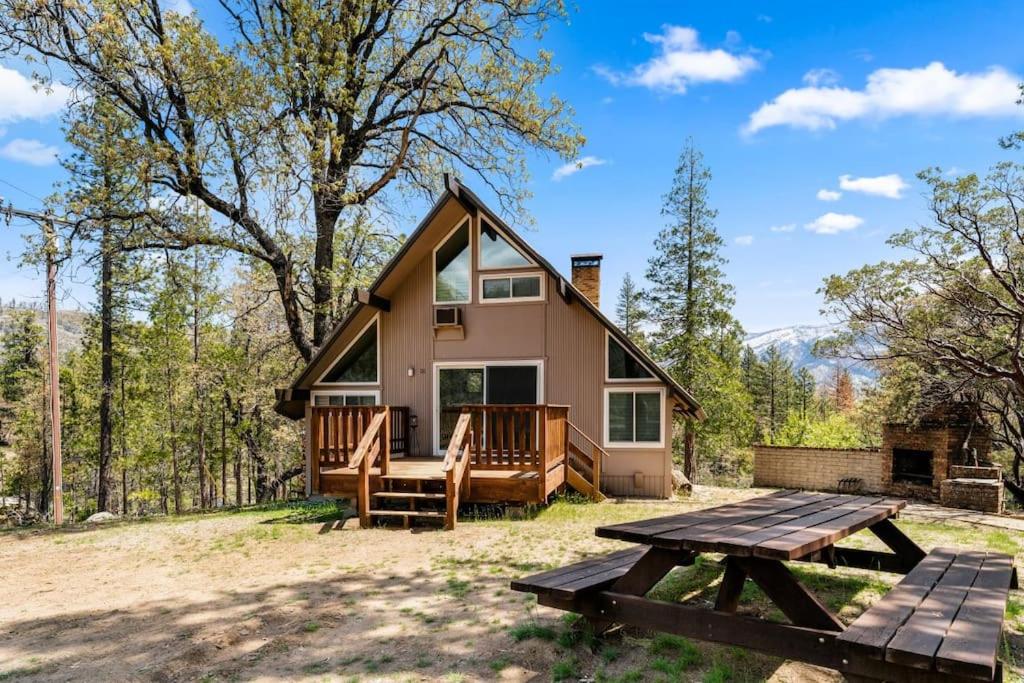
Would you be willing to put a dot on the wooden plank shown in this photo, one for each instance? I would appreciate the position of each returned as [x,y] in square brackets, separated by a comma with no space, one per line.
[653,531]
[971,644]
[872,631]
[743,538]
[709,536]
[806,541]
[919,638]
[900,544]
[795,601]
[545,581]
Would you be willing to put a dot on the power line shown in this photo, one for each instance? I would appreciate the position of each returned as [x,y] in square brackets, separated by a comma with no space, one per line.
[23,191]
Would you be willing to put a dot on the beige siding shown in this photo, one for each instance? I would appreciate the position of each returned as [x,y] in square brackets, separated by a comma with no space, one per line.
[406,342]
[569,341]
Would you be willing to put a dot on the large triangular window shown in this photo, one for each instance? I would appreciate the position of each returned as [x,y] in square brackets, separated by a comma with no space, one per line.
[497,252]
[358,365]
[622,364]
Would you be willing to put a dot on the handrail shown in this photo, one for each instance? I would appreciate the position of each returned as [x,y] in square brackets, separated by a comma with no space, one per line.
[369,438]
[457,441]
[585,437]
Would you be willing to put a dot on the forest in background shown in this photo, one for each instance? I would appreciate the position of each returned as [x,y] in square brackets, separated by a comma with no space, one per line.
[227,194]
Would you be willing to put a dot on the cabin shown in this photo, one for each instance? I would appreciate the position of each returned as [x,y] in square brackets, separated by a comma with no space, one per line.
[472,370]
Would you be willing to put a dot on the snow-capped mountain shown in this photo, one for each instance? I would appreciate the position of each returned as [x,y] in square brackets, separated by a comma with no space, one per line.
[797,344]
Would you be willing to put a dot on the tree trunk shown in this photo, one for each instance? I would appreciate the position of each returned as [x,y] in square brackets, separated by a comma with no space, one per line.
[124,449]
[106,425]
[175,473]
[223,458]
[200,421]
[690,451]
[238,476]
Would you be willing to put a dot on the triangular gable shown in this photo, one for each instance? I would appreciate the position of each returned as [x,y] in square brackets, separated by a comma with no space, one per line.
[472,205]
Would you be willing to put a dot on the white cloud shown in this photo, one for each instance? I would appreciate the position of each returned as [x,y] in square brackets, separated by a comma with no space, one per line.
[682,62]
[31,152]
[891,186]
[23,100]
[828,195]
[566,170]
[821,77]
[744,240]
[787,227]
[834,223]
[764,18]
[930,90]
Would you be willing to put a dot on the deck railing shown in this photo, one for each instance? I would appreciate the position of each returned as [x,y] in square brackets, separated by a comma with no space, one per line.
[337,431]
[456,468]
[586,458]
[526,438]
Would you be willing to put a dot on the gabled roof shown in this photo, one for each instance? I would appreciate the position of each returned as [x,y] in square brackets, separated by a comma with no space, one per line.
[291,402]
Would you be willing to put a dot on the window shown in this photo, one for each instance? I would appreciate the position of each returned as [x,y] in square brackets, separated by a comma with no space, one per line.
[452,267]
[622,364]
[358,364]
[633,418]
[511,287]
[490,383]
[339,398]
[496,252]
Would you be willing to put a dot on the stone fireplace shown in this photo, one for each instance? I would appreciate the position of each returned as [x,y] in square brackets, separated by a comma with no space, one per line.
[917,458]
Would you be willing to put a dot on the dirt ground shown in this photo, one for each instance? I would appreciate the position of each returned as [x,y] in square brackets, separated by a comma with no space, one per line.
[294,593]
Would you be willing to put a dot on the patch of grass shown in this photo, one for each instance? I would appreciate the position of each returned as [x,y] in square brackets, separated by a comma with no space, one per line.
[1002,542]
[498,665]
[532,630]
[1014,610]
[311,627]
[456,587]
[628,676]
[677,646]
[609,654]
[15,674]
[315,668]
[565,670]
[718,673]
[454,677]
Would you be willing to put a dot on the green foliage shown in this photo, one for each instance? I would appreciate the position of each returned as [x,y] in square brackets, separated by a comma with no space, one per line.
[532,630]
[630,311]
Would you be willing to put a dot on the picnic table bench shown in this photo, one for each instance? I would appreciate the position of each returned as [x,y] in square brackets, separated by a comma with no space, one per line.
[942,622]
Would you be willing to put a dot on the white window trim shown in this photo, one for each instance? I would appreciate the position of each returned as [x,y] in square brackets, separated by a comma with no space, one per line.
[513,299]
[375,393]
[375,319]
[608,443]
[624,380]
[433,263]
[479,252]
[473,365]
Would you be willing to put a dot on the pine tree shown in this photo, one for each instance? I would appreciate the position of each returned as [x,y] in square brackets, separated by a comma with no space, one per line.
[775,391]
[690,300]
[630,311]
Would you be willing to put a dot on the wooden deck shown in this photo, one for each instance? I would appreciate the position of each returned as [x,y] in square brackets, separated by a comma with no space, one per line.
[497,454]
[486,486]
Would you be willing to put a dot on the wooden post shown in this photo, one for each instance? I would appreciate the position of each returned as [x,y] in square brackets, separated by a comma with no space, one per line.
[363,494]
[51,299]
[314,451]
[595,458]
[385,451]
[451,499]
[542,471]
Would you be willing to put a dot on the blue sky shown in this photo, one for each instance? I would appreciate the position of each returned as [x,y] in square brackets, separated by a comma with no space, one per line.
[852,99]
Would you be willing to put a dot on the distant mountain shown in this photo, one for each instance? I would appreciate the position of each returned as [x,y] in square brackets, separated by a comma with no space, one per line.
[797,344]
[70,324]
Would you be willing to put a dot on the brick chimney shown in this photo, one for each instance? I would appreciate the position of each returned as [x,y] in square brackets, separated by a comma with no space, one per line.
[586,276]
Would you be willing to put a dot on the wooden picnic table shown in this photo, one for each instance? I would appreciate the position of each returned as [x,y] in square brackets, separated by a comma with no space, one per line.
[941,624]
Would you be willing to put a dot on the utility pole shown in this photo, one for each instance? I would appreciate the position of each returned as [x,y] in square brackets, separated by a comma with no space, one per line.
[46,223]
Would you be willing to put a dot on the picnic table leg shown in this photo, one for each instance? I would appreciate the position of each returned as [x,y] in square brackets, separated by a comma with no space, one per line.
[642,577]
[732,586]
[795,601]
[908,551]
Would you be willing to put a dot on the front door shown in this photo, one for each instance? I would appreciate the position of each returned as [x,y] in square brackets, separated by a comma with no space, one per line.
[494,384]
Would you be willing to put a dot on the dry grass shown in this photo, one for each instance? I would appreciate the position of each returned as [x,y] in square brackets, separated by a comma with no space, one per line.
[291,593]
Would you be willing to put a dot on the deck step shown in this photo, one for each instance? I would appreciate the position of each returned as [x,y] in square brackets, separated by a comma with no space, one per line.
[406,513]
[413,477]
[409,494]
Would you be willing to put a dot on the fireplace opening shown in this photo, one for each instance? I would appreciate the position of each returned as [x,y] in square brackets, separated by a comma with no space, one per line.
[911,466]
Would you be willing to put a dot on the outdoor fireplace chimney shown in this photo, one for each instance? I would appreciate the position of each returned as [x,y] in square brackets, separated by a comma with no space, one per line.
[586,276]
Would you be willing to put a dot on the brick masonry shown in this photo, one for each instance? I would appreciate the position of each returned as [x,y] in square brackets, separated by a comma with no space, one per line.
[985,495]
[944,442]
[818,469]
[586,276]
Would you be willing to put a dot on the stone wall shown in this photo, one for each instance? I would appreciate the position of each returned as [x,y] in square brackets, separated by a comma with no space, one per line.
[985,495]
[818,469]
